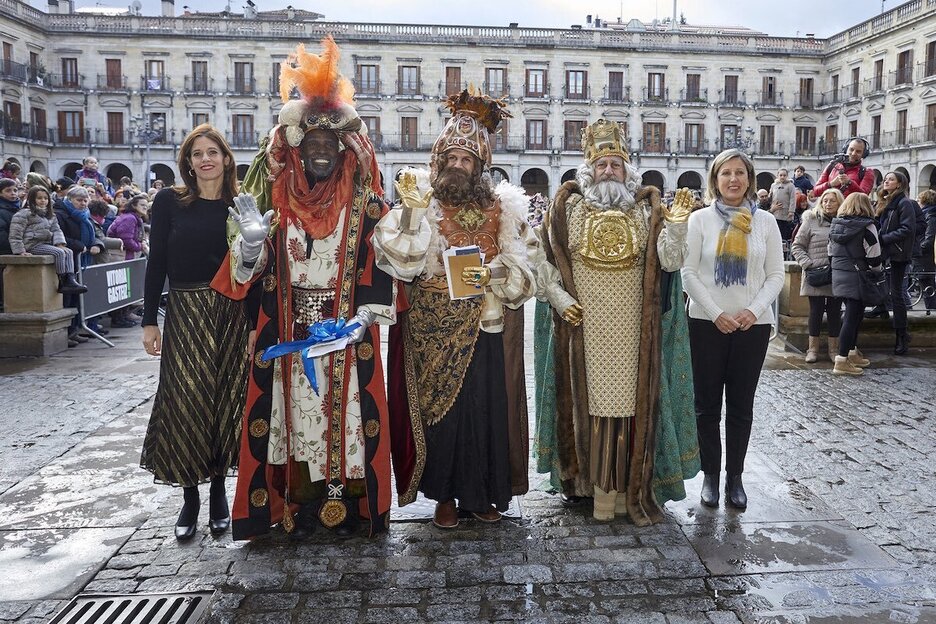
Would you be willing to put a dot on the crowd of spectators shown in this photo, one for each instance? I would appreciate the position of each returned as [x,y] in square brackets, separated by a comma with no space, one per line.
[97,220]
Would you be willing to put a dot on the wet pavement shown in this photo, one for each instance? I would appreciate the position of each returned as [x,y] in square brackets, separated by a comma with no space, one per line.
[839,528]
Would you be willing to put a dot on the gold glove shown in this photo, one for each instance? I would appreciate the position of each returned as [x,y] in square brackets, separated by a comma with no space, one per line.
[476,276]
[409,193]
[681,208]
[573,315]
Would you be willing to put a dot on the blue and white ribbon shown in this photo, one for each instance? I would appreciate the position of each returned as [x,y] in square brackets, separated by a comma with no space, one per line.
[316,345]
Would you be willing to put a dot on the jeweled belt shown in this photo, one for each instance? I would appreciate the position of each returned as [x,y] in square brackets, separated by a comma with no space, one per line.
[311,305]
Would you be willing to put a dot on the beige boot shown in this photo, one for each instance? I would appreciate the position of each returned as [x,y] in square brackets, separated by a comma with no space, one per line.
[843,366]
[857,359]
[604,504]
[833,348]
[812,351]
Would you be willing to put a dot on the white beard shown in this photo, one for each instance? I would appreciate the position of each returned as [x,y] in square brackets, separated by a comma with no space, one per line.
[609,195]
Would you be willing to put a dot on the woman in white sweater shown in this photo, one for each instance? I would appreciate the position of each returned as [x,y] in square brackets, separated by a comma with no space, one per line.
[732,273]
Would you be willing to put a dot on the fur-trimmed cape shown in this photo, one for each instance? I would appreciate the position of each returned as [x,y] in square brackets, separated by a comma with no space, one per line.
[573,419]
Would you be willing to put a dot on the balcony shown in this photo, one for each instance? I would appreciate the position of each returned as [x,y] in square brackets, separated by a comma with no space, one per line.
[903,77]
[409,88]
[732,98]
[199,84]
[905,137]
[496,90]
[770,99]
[537,143]
[114,138]
[693,96]
[874,85]
[851,91]
[576,94]
[692,147]
[510,143]
[536,94]
[658,146]
[15,129]
[572,142]
[804,99]
[768,148]
[829,98]
[926,70]
[651,97]
[805,148]
[242,86]
[11,70]
[155,84]
[66,82]
[109,82]
[244,139]
[74,137]
[406,142]
[365,89]
[616,95]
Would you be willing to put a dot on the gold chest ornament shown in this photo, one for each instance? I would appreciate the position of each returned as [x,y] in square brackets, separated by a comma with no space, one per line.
[612,240]
[470,225]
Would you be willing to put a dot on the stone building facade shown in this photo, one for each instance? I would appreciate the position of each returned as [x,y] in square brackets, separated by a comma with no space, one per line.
[127,88]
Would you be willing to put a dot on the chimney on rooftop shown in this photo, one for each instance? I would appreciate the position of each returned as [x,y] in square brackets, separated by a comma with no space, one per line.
[53,7]
[168,8]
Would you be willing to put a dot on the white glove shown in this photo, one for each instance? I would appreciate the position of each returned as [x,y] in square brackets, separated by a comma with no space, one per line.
[366,318]
[254,227]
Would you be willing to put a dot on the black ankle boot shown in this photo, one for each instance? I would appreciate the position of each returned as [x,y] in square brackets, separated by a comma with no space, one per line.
[219,515]
[68,285]
[305,520]
[903,340]
[352,523]
[734,492]
[188,517]
[710,489]
[877,311]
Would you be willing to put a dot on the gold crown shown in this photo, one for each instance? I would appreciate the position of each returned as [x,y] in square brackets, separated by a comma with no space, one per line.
[604,138]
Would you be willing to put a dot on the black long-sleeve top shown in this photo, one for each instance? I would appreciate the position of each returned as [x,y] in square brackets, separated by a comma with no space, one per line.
[187,244]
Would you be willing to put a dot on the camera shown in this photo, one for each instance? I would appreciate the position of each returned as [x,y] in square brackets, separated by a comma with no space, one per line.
[840,158]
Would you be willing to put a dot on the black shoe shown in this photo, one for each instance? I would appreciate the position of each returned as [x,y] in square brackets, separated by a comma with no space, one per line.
[76,337]
[188,517]
[710,489]
[903,340]
[219,514]
[734,492]
[68,285]
[570,500]
[72,343]
[122,323]
[348,528]
[304,521]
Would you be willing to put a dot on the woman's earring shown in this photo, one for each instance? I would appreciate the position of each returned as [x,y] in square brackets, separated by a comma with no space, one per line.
[191,172]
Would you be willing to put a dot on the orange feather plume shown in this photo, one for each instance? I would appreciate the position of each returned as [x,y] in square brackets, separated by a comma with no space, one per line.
[317,77]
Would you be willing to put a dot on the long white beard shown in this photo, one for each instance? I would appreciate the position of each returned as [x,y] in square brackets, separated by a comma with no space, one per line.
[608,195]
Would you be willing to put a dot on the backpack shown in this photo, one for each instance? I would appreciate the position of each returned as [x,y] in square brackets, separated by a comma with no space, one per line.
[920,231]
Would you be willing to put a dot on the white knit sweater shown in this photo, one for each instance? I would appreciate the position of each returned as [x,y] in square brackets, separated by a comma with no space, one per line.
[764,274]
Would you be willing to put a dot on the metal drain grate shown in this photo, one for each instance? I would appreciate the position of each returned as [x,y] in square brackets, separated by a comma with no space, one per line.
[177,608]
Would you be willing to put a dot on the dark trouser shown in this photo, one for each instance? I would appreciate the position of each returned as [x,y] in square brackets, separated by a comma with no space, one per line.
[928,286]
[729,365]
[851,321]
[832,308]
[898,294]
[786,229]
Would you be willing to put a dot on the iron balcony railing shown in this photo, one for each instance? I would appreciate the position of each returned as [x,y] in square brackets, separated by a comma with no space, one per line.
[156,83]
[112,82]
[199,84]
[616,95]
[732,98]
[655,96]
[366,88]
[693,96]
[242,86]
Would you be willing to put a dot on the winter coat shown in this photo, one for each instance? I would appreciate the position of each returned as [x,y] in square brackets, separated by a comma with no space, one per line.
[810,249]
[29,229]
[898,229]
[71,228]
[862,179]
[128,227]
[853,247]
[7,210]
[114,251]
[926,260]
[785,194]
[803,184]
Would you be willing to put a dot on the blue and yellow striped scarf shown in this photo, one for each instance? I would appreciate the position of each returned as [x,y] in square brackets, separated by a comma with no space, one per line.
[732,250]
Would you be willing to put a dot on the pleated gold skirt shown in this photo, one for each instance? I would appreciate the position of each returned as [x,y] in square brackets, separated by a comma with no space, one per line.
[194,429]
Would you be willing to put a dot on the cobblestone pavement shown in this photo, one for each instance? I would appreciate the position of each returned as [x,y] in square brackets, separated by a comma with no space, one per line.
[839,529]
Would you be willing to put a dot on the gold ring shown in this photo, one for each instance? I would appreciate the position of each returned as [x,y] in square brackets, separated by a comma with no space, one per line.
[477,276]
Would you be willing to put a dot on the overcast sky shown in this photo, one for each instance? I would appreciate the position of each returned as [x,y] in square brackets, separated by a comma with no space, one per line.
[780,18]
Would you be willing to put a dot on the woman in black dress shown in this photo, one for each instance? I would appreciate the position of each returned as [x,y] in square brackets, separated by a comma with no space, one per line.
[194,429]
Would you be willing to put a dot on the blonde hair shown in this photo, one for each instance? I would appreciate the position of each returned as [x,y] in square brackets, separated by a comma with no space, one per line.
[817,210]
[855,205]
[711,191]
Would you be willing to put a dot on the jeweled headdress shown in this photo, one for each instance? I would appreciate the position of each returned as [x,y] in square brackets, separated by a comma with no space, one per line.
[474,118]
[604,138]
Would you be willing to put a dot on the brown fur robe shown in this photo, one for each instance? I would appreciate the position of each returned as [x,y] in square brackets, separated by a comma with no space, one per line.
[573,419]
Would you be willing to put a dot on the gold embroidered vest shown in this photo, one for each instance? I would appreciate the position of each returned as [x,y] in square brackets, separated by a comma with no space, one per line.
[470,225]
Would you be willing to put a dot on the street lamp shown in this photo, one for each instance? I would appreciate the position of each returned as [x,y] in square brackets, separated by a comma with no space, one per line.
[148,131]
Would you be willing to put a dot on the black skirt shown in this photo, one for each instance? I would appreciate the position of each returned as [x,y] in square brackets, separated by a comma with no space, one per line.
[194,429]
[467,451]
